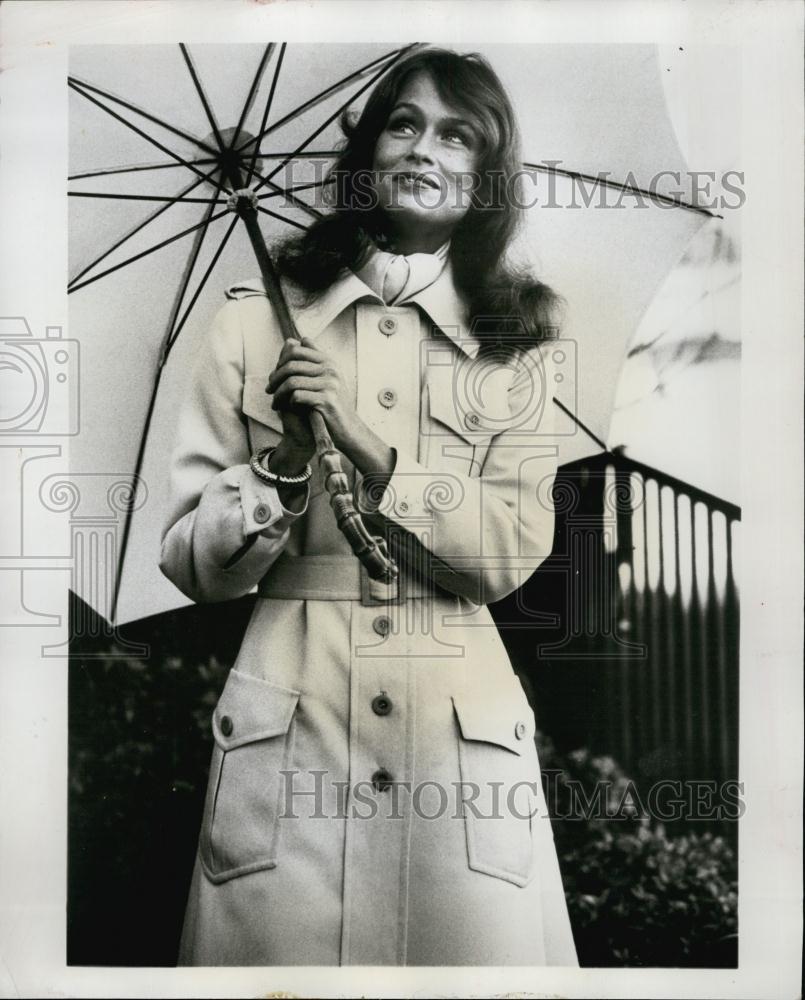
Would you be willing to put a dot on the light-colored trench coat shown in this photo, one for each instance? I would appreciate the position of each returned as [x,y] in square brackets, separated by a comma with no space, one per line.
[374,794]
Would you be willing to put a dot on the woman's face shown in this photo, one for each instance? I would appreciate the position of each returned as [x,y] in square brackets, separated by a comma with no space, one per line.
[424,160]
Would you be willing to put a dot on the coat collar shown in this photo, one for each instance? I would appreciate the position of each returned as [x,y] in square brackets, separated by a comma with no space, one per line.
[440,301]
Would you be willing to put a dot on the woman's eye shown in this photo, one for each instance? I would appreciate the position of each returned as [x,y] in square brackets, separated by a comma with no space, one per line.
[456,137]
[401,125]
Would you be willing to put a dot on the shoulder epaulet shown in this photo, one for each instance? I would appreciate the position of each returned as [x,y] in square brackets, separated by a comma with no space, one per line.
[246,289]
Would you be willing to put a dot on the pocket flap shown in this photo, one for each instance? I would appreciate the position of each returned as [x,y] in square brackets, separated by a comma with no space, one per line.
[473,406]
[257,402]
[251,709]
[504,719]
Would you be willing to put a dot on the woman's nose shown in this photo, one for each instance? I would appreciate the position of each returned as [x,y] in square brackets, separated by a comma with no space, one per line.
[422,148]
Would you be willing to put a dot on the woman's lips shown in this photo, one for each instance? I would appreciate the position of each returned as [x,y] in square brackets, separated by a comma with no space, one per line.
[424,180]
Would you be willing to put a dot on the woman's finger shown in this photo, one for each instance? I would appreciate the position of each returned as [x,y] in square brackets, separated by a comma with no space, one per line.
[292,385]
[292,349]
[292,367]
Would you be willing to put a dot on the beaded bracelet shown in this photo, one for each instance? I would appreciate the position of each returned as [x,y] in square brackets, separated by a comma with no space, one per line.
[264,474]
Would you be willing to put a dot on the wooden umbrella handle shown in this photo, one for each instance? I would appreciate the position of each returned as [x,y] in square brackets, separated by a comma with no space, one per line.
[370,549]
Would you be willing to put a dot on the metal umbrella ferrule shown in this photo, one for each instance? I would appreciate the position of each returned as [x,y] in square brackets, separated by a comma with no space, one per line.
[241,200]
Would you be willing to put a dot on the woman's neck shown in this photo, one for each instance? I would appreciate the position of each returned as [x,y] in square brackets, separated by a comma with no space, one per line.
[415,241]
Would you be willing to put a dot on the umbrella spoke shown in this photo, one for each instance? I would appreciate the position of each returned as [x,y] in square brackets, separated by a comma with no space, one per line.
[171,199]
[278,191]
[370,82]
[198,240]
[325,154]
[210,267]
[258,76]
[145,114]
[653,196]
[266,112]
[109,171]
[388,58]
[150,250]
[139,131]
[282,218]
[154,215]
[580,424]
[202,96]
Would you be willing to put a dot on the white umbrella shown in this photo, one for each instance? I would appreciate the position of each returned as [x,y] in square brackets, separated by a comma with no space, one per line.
[140,151]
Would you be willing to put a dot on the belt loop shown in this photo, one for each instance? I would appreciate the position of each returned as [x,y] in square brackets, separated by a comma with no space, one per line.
[374,592]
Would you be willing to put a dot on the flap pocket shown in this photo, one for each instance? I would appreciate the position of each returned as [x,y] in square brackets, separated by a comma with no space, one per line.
[251,709]
[472,404]
[257,403]
[254,732]
[499,781]
[505,719]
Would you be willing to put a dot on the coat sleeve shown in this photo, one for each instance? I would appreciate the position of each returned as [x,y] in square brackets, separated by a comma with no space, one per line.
[224,527]
[482,536]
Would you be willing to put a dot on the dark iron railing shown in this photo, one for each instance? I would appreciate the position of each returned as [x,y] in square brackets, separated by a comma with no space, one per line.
[633,645]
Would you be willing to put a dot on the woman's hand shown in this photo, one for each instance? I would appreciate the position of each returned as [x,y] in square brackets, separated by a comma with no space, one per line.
[297,446]
[306,378]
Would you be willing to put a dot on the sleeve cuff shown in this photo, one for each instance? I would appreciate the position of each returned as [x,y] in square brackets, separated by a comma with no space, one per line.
[263,511]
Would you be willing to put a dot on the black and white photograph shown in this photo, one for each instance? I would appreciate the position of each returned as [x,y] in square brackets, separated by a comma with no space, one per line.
[402,476]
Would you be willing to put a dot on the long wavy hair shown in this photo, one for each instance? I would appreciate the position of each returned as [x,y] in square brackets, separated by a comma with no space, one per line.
[503,301]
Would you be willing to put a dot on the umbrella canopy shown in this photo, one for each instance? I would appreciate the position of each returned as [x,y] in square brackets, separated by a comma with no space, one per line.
[153,244]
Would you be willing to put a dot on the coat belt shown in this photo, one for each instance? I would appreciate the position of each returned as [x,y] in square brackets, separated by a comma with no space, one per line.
[335,578]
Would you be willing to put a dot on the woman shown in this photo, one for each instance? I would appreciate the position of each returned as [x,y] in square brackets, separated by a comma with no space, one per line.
[374,793]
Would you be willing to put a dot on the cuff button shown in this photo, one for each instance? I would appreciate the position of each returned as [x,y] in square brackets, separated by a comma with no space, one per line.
[261,513]
[520,730]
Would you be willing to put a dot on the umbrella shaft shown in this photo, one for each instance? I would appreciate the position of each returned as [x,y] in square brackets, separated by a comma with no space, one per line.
[372,551]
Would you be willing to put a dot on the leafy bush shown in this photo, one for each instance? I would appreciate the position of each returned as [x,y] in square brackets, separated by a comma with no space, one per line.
[637,897]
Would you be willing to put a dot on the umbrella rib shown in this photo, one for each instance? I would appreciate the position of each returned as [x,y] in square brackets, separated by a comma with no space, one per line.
[145,114]
[188,274]
[133,232]
[655,196]
[124,540]
[323,153]
[282,218]
[370,82]
[145,253]
[266,111]
[258,76]
[143,197]
[170,338]
[580,423]
[109,171]
[277,191]
[389,58]
[295,187]
[202,96]
[139,131]
[175,335]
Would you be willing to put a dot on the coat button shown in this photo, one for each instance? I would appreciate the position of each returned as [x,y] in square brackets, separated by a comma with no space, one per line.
[382,625]
[382,780]
[387,397]
[402,507]
[388,325]
[381,704]
[520,730]
[261,513]
[226,725]
[472,420]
